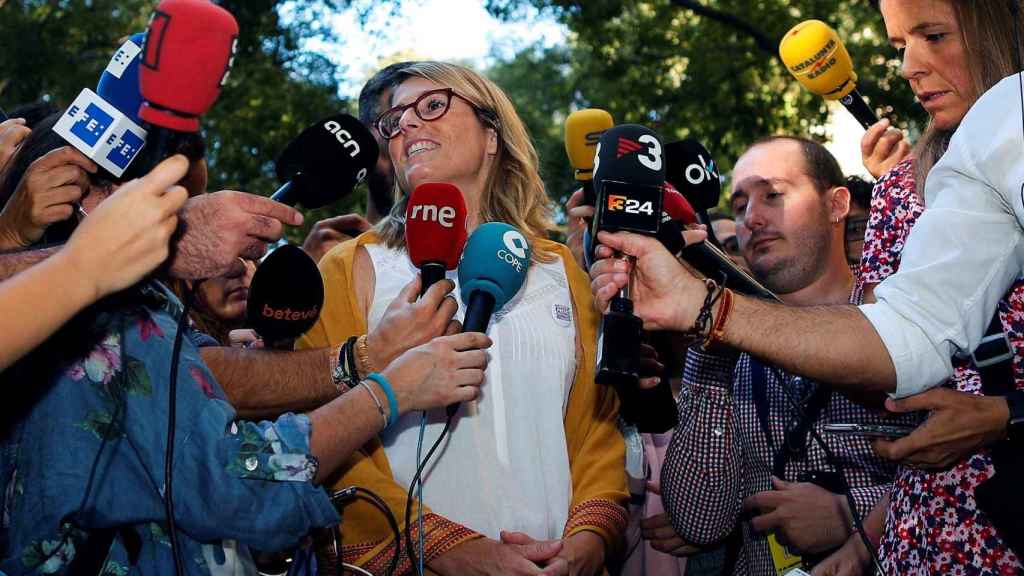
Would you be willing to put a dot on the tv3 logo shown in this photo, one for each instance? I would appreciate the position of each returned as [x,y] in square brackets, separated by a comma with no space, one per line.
[618,203]
[650,160]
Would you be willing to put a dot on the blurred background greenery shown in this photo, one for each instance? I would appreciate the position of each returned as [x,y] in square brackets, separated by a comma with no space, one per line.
[706,69]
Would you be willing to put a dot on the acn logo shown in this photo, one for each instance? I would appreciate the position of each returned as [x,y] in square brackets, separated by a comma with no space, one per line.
[627,146]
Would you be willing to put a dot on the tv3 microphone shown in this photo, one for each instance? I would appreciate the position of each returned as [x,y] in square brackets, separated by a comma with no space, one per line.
[325,162]
[583,130]
[703,256]
[629,172]
[435,230]
[492,271]
[815,55]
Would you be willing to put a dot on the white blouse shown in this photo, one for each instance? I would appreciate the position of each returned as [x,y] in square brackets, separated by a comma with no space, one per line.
[504,465]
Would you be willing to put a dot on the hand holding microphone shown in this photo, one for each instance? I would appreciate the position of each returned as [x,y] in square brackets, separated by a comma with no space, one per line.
[882,147]
[12,132]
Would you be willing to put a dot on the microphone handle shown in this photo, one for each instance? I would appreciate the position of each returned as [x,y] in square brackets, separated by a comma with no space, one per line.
[431,273]
[288,193]
[713,263]
[478,316]
[705,219]
[859,108]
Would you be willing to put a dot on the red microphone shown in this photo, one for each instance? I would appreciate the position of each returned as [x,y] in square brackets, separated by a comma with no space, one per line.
[188,52]
[435,229]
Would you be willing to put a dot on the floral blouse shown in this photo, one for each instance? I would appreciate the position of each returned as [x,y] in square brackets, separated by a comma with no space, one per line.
[933,525]
[86,452]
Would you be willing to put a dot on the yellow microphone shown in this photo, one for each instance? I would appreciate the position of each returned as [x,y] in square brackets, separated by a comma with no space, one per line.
[583,130]
[814,54]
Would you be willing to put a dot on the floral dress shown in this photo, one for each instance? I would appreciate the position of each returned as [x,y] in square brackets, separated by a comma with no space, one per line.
[933,525]
[82,448]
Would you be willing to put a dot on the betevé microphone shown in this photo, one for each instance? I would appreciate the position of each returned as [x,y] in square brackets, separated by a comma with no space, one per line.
[285,296]
[435,230]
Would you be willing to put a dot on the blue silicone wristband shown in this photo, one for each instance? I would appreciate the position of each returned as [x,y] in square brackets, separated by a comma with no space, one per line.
[382,381]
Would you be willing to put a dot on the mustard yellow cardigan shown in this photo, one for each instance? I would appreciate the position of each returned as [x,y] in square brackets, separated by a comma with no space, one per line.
[595,446]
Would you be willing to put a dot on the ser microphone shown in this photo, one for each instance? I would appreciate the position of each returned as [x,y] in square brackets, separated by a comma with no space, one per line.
[815,55]
[703,256]
[435,230]
[285,297]
[694,174]
[583,130]
[493,269]
[325,162]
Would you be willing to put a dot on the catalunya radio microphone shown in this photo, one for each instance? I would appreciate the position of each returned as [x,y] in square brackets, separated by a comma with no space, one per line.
[629,172]
[815,55]
[493,269]
[583,130]
[703,256]
[325,162]
[435,230]
[285,297]
[694,174]
[187,55]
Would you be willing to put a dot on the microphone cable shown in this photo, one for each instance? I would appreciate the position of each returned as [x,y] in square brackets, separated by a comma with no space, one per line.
[413,558]
[340,496]
[830,457]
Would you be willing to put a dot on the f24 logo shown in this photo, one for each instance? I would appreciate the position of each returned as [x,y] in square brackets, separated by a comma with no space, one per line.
[618,203]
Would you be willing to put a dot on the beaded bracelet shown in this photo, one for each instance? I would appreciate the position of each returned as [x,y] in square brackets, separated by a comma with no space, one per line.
[382,381]
[700,325]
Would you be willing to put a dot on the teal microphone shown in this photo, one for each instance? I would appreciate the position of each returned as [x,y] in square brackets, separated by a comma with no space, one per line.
[493,269]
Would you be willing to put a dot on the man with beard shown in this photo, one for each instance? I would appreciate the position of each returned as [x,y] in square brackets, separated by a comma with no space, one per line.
[743,441]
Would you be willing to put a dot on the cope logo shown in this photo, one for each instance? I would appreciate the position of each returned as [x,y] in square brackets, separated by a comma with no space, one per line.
[443,215]
[515,248]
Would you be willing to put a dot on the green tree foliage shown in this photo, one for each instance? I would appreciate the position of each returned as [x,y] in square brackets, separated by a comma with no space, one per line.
[708,70]
[50,50]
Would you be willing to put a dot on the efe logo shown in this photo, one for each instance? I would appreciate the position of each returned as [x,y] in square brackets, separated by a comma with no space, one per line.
[445,215]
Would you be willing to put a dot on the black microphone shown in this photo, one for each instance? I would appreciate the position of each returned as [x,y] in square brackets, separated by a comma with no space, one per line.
[285,297]
[325,162]
[629,172]
[693,172]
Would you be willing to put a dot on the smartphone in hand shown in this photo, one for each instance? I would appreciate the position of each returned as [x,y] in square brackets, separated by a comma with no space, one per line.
[887,431]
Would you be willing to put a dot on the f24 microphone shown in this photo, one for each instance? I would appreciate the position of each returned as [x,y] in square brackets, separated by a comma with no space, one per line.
[703,256]
[583,130]
[325,162]
[435,230]
[694,174]
[286,295]
[817,58]
[629,172]
[189,49]
[493,269]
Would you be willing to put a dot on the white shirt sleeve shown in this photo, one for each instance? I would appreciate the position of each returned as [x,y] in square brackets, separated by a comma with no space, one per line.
[965,251]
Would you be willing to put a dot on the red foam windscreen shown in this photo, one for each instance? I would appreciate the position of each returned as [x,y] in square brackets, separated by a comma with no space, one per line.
[188,53]
[676,206]
[435,224]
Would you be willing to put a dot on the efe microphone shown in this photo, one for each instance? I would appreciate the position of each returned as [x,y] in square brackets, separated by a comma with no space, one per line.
[629,172]
[815,55]
[435,230]
[493,269]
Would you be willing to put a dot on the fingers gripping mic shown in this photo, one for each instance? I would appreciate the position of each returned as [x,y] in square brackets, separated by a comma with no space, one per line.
[693,172]
[325,162]
[493,269]
[435,230]
[583,129]
[189,49]
[703,256]
[817,58]
[286,296]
